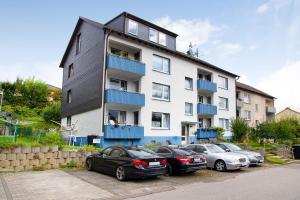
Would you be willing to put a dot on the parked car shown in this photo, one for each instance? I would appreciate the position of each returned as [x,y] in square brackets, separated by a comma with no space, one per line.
[219,159]
[180,160]
[254,157]
[127,162]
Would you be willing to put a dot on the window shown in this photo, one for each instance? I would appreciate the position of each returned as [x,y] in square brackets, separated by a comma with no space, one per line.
[161,64]
[69,121]
[132,27]
[116,117]
[117,84]
[247,115]
[163,150]
[69,96]
[188,108]
[160,120]
[224,123]
[78,43]
[223,103]
[160,91]
[107,151]
[162,39]
[153,35]
[247,98]
[70,71]
[223,82]
[188,83]
[256,107]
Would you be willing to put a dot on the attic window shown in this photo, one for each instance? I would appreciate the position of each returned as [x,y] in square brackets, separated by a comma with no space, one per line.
[132,27]
[78,43]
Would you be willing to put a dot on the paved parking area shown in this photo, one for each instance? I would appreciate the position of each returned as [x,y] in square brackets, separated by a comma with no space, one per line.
[82,184]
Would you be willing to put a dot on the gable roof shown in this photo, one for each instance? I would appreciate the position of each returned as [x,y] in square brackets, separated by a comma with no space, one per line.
[73,37]
[249,88]
[296,110]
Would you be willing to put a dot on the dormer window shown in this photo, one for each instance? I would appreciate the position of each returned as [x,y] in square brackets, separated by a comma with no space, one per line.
[132,27]
[162,39]
[153,35]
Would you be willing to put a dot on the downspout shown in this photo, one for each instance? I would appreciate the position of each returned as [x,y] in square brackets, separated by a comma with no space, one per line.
[104,76]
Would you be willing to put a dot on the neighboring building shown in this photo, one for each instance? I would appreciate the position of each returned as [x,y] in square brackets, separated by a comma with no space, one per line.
[288,113]
[125,82]
[254,105]
[54,93]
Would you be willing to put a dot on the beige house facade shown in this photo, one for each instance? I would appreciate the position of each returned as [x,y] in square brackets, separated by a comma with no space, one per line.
[254,105]
[288,113]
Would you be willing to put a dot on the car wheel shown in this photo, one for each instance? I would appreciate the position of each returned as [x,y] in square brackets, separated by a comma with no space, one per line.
[120,173]
[169,170]
[220,166]
[89,165]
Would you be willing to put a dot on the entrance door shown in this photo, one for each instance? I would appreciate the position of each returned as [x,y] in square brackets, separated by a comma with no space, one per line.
[185,129]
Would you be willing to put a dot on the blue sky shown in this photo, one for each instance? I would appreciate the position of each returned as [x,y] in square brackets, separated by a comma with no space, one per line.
[258,39]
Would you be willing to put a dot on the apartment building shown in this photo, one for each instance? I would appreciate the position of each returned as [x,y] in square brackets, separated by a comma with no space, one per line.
[125,82]
[254,105]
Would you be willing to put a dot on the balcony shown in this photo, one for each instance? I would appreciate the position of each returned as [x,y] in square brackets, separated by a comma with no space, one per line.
[206,134]
[120,97]
[123,132]
[270,110]
[116,63]
[206,109]
[206,86]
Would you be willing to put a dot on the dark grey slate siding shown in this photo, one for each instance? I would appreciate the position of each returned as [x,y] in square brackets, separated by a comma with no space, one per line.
[86,84]
[117,24]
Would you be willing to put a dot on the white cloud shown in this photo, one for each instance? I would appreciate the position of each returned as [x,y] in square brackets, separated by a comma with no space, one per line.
[262,8]
[253,47]
[227,49]
[284,84]
[244,79]
[196,31]
[47,72]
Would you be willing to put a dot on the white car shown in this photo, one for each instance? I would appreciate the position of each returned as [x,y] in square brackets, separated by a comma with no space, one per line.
[219,159]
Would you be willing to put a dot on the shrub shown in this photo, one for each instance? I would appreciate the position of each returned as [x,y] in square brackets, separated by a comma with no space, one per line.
[240,129]
[91,148]
[52,139]
[52,112]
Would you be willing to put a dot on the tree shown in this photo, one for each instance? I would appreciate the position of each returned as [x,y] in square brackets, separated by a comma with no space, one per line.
[52,112]
[240,129]
[35,93]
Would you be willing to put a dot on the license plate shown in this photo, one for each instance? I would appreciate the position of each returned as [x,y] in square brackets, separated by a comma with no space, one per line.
[197,160]
[154,163]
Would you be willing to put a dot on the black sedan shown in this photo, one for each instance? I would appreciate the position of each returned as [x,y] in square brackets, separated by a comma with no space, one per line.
[127,162]
[181,160]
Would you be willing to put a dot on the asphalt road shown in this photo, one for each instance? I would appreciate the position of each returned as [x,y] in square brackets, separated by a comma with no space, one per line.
[277,183]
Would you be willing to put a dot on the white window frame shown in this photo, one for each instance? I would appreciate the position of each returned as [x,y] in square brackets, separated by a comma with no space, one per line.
[247,115]
[221,83]
[164,125]
[256,107]
[191,107]
[247,98]
[163,60]
[191,82]
[137,27]
[226,104]
[225,124]
[160,41]
[157,35]
[163,92]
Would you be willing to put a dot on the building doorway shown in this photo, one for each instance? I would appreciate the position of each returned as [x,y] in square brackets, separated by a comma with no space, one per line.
[185,135]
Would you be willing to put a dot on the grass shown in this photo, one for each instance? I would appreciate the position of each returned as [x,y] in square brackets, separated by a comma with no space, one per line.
[257,146]
[270,158]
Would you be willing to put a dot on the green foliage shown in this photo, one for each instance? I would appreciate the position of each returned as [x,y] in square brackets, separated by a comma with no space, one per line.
[152,145]
[91,148]
[274,159]
[240,129]
[52,139]
[52,112]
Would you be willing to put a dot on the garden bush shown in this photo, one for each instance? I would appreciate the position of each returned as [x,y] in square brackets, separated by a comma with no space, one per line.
[240,129]
[52,139]
[52,112]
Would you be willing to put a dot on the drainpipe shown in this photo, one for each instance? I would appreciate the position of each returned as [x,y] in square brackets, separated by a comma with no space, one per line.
[104,72]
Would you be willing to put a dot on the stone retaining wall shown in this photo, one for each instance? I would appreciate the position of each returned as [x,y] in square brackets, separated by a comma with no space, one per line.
[30,158]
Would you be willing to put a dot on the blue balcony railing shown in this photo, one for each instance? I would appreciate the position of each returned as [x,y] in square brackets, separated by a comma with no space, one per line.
[123,64]
[123,132]
[206,109]
[124,98]
[206,133]
[208,86]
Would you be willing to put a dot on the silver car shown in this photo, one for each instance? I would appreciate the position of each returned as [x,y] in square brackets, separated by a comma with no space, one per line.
[219,159]
[254,157]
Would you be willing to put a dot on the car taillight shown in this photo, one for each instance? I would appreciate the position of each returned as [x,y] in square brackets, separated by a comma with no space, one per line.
[184,160]
[163,162]
[139,163]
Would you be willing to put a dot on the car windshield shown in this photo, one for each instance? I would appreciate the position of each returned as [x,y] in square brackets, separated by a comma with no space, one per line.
[215,149]
[141,152]
[233,147]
